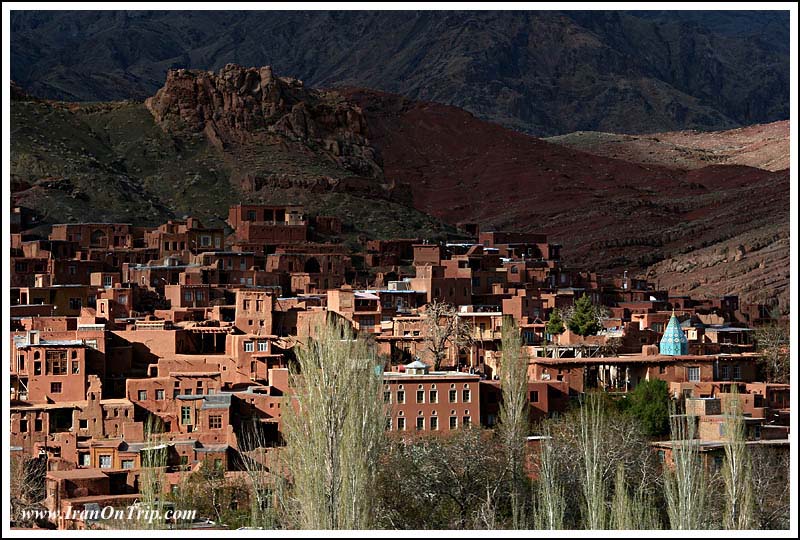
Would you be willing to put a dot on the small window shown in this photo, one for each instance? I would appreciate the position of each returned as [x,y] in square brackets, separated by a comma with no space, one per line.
[23,426]
[420,396]
[105,461]
[453,396]
[127,464]
[465,421]
[55,387]
[160,394]
[262,346]
[534,396]
[434,423]
[401,424]
[433,396]
[693,374]
[737,373]
[215,422]
[466,396]
[401,396]
[420,423]
[186,415]
[142,395]
[83,423]
[387,396]
[248,346]
[453,422]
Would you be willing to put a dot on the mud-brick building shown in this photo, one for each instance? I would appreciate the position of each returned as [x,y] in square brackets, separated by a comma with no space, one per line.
[425,401]
[262,226]
[183,237]
[95,235]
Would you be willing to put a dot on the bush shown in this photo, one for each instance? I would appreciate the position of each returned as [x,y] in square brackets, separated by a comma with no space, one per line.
[649,404]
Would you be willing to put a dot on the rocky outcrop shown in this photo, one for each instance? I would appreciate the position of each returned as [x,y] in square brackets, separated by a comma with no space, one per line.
[238,105]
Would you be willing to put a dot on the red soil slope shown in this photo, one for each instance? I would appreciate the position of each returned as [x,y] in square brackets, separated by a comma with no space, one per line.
[607,213]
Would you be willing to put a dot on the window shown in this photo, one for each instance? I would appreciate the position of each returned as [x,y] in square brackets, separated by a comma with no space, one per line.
[205,240]
[453,396]
[37,424]
[693,374]
[160,394]
[75,303]
[85,460]
[465,395]
[248,346]
[23,426]
[57,362]
[187,296]
[534,396]
[262,346]
[420,396]
[725,373]
[142,395]
[55,387]
[83,424]
[20,363]
[465,421]
[246,305]
[37,368]
[108,281]
[105,461]
[127,464]
[420,423]
[218,464]
[76,367]
[661,456]
[434,423]
[401,424]
[737,372]
[387,396]
[433,396]
[401,396]
[184,460]
[453,422]
[215,422]
[186,415]
[72,270]
[199,295]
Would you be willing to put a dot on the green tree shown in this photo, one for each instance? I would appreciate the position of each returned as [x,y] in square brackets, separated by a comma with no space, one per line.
[649,404]
[555,324]
[584,320]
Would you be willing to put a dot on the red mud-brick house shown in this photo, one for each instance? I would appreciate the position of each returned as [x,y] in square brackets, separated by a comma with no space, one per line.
[182,237]
[424,401]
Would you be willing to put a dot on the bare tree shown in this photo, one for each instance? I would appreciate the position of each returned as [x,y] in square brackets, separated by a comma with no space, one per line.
[27,489]
[685,481]
[773,344]
[771,473]
[514,419]
[334,430]
[255,459]
[549,503]
[737,471]
[444,328]
[152,475]
[592,427]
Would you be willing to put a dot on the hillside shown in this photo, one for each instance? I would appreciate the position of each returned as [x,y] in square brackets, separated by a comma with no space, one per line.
[115,162]
[764,146]
[607,213]
[388,166]
[540,72]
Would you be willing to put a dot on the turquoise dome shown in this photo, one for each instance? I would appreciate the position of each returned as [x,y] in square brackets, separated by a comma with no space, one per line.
[674,342]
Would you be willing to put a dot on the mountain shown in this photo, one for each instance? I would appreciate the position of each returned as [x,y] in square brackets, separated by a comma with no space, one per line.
[391,166]
[540,72]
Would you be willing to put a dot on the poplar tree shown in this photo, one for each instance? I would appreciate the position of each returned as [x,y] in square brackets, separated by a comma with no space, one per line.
[334,427]
[514,419]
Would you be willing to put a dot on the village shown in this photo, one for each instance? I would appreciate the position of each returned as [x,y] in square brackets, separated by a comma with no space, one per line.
[116,328]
